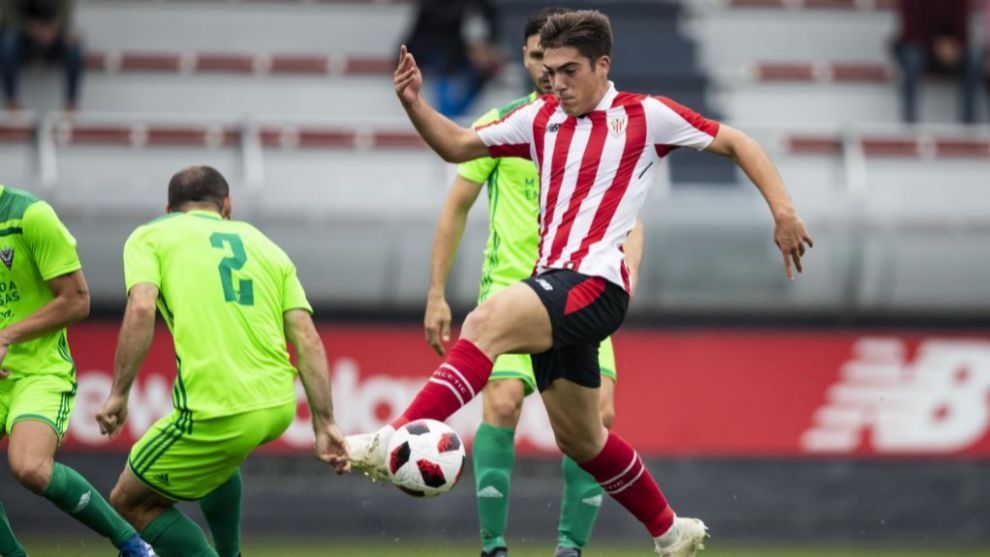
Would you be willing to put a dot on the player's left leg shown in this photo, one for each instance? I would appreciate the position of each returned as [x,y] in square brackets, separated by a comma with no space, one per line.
[582,496]
[38,417]
[574,416]
[169,531]
[222,510]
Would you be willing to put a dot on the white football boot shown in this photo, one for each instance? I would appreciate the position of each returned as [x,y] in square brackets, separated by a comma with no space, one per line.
[684,539]
[367,452]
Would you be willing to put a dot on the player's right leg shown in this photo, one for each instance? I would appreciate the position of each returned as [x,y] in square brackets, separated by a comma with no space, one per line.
[513,320]
[39,408]
[493,452]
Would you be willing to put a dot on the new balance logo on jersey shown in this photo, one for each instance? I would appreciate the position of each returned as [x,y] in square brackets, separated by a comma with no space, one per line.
[595,501]
[885,404]
[83,502]
[490,492]
[7,256]
[162,478]
[552,128]
[546,285]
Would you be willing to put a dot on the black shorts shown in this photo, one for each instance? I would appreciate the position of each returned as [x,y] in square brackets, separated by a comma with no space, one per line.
[583,311]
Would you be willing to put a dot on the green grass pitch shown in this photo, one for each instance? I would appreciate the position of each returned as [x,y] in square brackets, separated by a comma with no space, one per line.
[388,547]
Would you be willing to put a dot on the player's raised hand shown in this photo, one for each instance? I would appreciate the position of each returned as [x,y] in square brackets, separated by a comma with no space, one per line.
[330,448]
[112,415]
[790,235]
[437,322]
[408,80]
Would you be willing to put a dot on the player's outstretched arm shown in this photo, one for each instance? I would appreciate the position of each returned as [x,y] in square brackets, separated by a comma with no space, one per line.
[315,375]
[70,305]
[450,229]
[133,342]
[452,142]
[789,233]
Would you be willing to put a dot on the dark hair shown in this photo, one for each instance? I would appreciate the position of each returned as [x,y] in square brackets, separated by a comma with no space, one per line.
[589,31]
[197,184]
[537,20]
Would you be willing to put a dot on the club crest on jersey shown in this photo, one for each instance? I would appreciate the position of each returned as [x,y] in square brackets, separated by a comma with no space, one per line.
[7,256]
[617,125]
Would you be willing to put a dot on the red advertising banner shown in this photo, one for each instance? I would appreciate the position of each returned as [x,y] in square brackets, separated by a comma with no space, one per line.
[680,393]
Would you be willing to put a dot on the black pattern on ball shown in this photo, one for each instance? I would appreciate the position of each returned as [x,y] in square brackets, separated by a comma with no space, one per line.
[399,457]
[448,442]
[417,428]
[431,473]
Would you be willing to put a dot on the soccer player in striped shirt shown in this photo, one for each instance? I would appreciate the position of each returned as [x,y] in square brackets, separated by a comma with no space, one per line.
[231,299]
[42,292]
[596,149]
[513,187]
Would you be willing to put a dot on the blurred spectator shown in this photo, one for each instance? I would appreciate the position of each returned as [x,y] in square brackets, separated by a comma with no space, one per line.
[39,28]
[935,39]
[456,40]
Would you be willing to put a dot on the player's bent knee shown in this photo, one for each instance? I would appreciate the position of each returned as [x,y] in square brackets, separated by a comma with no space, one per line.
[608,416]
[581,449]
[32,473]
[503,410]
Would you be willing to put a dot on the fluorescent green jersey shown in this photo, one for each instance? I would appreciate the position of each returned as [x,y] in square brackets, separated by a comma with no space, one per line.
[224,288]
[513,186]
[35,247]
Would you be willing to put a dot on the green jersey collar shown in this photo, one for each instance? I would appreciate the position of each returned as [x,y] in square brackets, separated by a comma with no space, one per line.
[205,214]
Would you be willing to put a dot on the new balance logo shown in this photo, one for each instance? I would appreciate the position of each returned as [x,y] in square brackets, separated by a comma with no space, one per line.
[939,403]
[552,128]
[595,501]
[490,492]
[7,256]
[161,478]
[546,285]
[83,502]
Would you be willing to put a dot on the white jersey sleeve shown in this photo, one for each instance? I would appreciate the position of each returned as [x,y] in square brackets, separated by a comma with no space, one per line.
[672,125]
[512,135]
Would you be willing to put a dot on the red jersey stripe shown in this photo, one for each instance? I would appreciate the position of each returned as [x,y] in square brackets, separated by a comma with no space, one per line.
[635,143]
[586,179]
[520,150]
[697,120]
[565,133]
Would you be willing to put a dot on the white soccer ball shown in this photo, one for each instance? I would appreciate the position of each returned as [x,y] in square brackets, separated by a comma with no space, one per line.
[425,458]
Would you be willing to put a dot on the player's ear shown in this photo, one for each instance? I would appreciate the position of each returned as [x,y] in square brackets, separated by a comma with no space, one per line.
[168,209]
[603,64]
[227,207]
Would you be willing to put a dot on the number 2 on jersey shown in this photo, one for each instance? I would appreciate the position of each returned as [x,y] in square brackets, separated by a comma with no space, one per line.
[244,293]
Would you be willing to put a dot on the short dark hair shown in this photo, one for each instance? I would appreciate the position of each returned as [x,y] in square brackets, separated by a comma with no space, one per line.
[197,184]
[589,31]
[537,20]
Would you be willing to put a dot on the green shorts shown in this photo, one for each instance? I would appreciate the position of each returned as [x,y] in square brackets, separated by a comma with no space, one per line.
[520,366]
[185,459]
[45,398]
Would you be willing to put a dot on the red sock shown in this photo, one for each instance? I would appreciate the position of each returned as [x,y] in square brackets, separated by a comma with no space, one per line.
[621,473]
[458,379]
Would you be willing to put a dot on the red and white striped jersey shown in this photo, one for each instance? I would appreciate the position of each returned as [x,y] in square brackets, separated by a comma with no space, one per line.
[595,171]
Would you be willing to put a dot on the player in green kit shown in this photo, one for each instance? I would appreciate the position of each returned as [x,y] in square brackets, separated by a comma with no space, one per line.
[513,187]
[43,291]
[231,299]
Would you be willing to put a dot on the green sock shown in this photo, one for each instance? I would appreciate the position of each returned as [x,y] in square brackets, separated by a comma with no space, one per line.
[222,509]
[494,454]
[172,534]
[579,506]
[75,496]
[9,546]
